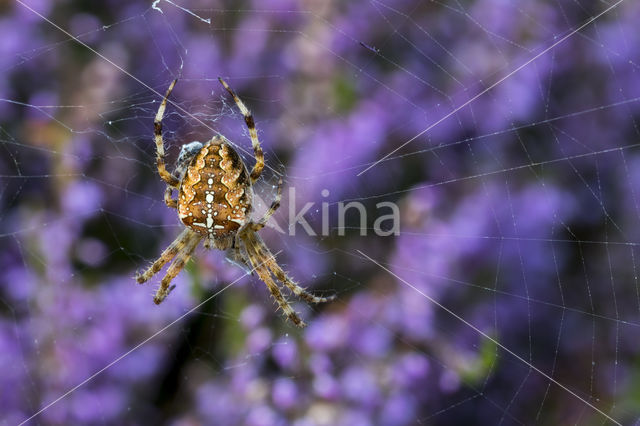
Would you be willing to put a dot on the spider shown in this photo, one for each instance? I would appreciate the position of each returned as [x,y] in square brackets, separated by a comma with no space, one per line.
[215,191]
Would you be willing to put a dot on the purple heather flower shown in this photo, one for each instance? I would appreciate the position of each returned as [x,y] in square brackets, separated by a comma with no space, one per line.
[15,373]
[252,316]
[326,387]
[373,341]
[262,415]
[91,251]
[97,405]
[285,393]
[42,7]
[327,333]
[42,99]
[140,364]
[410,370]
[259,340]
[285,353]
[356,418]
[86,26]
[399,409]
[20,283]
[216,403]
[319,363]
[360,385]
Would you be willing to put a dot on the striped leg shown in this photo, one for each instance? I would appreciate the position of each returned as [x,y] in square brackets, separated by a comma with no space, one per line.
[299,291]
[157,131]
[263,253]
[169,253]
[251,125]
[257,261]
[288,311]
[176,266]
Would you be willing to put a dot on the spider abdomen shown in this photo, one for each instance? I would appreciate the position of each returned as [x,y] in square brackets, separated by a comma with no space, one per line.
[215,194]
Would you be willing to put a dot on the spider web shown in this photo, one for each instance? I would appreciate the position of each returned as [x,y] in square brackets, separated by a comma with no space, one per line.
[506,133]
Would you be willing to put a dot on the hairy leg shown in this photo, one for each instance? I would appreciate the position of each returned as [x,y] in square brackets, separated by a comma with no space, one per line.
[168,254]
[258,262]
[157,131]
[288,311]
[263,253]
[253,133]
[176,266]
[299,291]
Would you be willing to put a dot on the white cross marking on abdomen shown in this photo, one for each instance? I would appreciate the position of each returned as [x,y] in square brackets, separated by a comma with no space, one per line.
[209,200]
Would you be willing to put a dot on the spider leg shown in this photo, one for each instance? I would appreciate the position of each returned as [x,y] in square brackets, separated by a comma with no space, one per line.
[270,262]
[168,200]
[299,291]
[169,253]
[258,264]
[157,131]
[272,209]
[288,311]
[251,125]
[176,266]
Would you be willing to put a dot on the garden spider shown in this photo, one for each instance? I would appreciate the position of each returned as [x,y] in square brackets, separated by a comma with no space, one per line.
[215,192]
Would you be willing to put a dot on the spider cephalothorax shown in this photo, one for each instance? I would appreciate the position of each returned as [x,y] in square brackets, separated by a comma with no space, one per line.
[214,202]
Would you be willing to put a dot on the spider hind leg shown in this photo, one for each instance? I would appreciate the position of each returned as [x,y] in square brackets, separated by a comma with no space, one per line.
[283,304]
[176,266]
[266,267]
[263,252]
[295,288]
[169,253]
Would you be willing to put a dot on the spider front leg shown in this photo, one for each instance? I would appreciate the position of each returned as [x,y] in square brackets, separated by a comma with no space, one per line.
[157,131]
[251,125]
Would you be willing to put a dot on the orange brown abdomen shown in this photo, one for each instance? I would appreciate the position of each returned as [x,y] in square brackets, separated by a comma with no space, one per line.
[215,198]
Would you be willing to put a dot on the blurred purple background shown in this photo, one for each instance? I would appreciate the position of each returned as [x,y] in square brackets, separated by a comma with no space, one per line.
[520,213]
